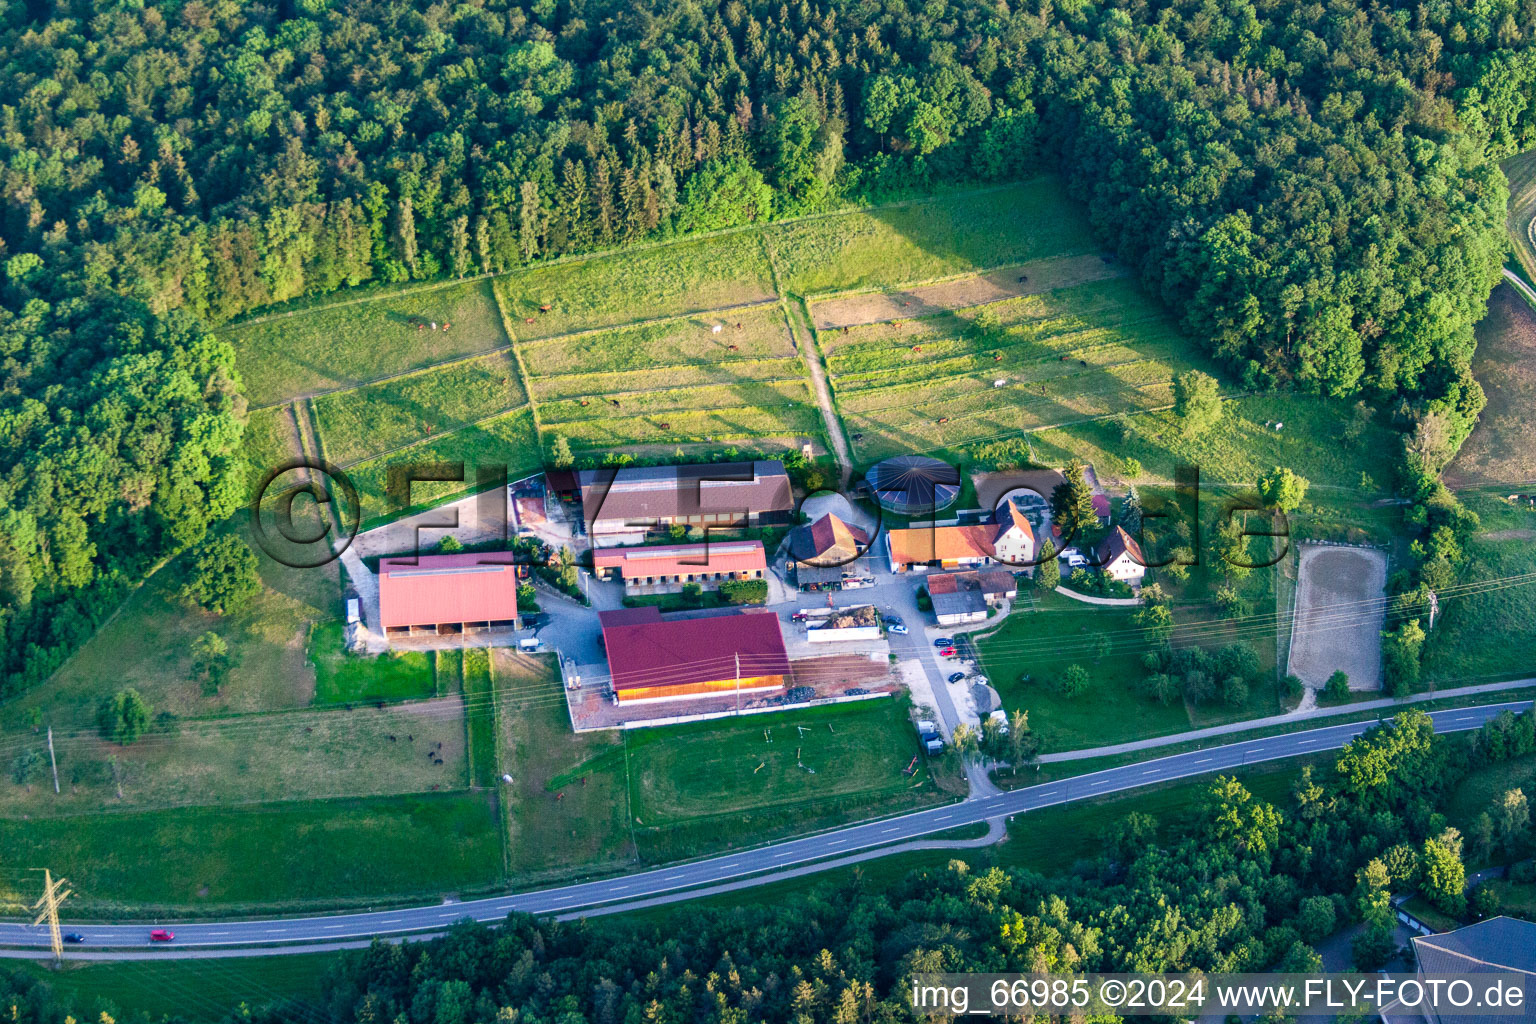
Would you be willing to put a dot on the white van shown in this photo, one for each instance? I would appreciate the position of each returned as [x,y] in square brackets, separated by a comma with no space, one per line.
[530,645]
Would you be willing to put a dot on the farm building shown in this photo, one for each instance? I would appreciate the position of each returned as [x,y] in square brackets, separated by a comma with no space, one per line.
[827,542]
[1120,557]
[954,547]
[960,597]
[914,485]
[666,569]
[447,594]
[653,659]
[621,506]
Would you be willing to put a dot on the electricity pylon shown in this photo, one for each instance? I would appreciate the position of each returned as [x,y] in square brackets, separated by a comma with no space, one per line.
[47,906]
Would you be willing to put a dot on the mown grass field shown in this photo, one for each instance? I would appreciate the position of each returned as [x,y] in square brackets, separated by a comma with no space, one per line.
[955,378]
[508,440]
[579,825]
[674,381]
[623,288]
[342,678]
[186,989]
[1521,171]
[197,990]
[939,237]
[1063,632]
[1458,651]
[712,785]
[479,716]
[330,752]
[327,852]
[345,345]
[367,421]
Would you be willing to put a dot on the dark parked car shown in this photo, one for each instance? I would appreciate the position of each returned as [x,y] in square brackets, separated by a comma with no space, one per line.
[944,641]
[74,937]
[956,677]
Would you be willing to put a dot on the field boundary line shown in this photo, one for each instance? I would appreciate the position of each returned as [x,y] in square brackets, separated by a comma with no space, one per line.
[924,282]
[437,437]
[428,286]
[415,371]
[648,321]
[513,346]
[1041,340]
[689,387]
[814,361]
[1524,289]
[1290,718]
[1076,371]
[522,369]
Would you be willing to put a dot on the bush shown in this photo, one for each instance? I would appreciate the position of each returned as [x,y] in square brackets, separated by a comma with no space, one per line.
[1337,690]
[744,591]
[1074,681]
[224,575]
[924,602]
[124,716]
[28,766]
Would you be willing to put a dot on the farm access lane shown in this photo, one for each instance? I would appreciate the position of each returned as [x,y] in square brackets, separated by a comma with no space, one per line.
[763,861]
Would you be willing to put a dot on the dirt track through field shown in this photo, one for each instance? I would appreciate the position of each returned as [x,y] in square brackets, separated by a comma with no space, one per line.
[1340,608]
[1027,279]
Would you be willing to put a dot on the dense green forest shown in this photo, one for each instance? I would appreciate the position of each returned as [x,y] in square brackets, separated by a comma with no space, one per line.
[1250,887]
[1311,185]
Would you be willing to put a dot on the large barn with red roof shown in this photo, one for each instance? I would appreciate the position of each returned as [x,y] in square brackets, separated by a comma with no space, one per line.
[447,594]
[654,659]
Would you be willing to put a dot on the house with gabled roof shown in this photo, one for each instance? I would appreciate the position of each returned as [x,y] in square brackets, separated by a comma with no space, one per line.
[1120,557]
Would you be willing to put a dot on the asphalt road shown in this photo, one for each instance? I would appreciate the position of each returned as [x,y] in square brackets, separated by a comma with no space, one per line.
[765,859]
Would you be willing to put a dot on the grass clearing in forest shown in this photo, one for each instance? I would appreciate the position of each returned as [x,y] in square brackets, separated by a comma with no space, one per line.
[342,346]
[1502,448]
[938,237]
[640,284]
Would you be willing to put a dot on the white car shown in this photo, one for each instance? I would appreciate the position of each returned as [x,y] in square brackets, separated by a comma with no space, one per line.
[1073,557]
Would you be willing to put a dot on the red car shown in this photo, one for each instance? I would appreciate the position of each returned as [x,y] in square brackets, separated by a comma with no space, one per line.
[948,652]
[161,935]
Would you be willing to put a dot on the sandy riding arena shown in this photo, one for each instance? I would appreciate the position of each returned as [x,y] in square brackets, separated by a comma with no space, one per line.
[1340,608]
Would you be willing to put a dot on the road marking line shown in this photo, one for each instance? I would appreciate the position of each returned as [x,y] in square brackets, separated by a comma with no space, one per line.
[1102,782]
[1247,752]
[672,878]
[1466,718]
[1151,771]
[945,818]
[781,856]
[331,928]
[616,888]
[391,920]
[1202,760]
[896,828]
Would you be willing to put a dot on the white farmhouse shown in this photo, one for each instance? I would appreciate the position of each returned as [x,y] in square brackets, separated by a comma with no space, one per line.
[1120,557]
[1014,542]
